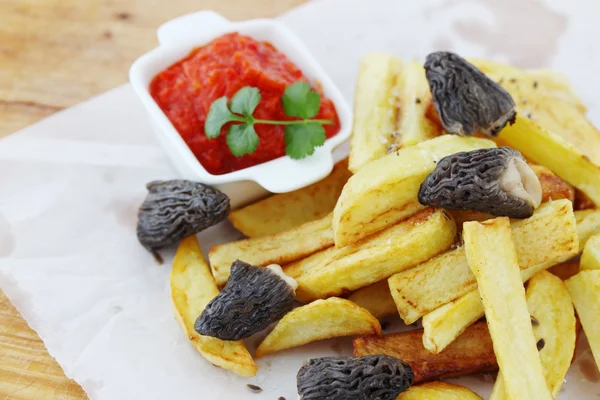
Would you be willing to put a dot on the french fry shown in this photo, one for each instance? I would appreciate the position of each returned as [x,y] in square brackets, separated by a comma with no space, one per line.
[319,320]
[550,101]
[192,288]
[551,150]
[335,271]
[285,211]
[553,188]
[443,325]
[554,328]
[413,126]
[547,238]
[471,353]
[438,391]
[384,191]
[280,248]
[588,225]
[585,292]
[375,109]
[492,257]
[376,299]
[590,259]
[565,270]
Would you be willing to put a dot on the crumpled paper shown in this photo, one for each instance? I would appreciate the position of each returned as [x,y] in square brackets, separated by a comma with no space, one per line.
[70,187]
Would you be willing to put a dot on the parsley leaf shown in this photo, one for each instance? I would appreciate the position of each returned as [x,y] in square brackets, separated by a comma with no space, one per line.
[245,101]
[299,100]
[242,139]
[218,115]
[301,140]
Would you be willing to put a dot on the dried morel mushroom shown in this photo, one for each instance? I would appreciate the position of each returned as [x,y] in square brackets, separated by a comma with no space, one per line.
[466,100]
[176,209]
[494,181]
[253,298]
[354,378]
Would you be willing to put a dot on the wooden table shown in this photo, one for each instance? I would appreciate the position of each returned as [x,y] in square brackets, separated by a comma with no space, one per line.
[53,54]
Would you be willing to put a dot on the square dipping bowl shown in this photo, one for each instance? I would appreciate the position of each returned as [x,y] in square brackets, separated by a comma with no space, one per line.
[177,38]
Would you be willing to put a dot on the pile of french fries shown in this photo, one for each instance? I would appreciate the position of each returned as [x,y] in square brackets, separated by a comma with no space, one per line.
[362,248]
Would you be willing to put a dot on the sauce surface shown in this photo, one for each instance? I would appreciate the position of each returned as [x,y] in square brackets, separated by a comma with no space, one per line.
[185,91]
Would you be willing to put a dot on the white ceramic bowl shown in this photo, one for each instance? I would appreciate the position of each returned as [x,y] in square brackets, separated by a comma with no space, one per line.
[177,38]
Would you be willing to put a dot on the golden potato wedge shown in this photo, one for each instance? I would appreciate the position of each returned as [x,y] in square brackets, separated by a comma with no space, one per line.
[585,292]
[443,325]
[384,191]
[319,320]
[550,101]
[547,238]
[375,109]
[492,257]
[588,225]
[335,271]
[285,211]
[280,248]
[554,328]
[471,353]
[413,126]
[552,151]
[590,258]
[192,288]
[376,299]
[438,391]
[553,187]
[565,270]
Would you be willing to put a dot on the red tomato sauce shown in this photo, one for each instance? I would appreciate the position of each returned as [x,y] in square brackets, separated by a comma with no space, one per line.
[185,91]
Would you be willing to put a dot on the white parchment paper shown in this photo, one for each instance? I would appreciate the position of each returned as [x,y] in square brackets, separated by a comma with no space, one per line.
[70,187]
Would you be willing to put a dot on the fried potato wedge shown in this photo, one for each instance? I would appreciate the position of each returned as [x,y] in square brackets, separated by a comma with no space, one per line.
[443,325]
[492,257]
[550,101]
[438,391]
[585,292]
[547,238]
[319,320]
[376,299]
[384,191]
[335,271]
[588,225]
[590,258]
[565,270]
[553,187]
[554,328]
[375,109]
[192,288]
[471,353]
[413,126]
[280,248]
[285,211]
[554,152]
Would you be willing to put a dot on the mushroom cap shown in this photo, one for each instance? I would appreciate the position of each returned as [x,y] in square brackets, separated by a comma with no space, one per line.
[466,100]
[253,298]
[177,209]
[496,181]
[354,378]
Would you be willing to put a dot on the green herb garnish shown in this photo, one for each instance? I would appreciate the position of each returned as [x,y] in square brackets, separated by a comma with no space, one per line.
[301,137]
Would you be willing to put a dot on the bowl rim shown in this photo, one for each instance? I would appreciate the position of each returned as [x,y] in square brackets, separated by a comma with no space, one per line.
[166,54]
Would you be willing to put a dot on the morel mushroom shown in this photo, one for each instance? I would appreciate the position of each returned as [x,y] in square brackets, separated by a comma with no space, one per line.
[496,181]
[466,100]
[176,209]
[354,378]
[253,298]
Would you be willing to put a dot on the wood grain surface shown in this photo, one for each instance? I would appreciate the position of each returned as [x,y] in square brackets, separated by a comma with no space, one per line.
[53,54]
